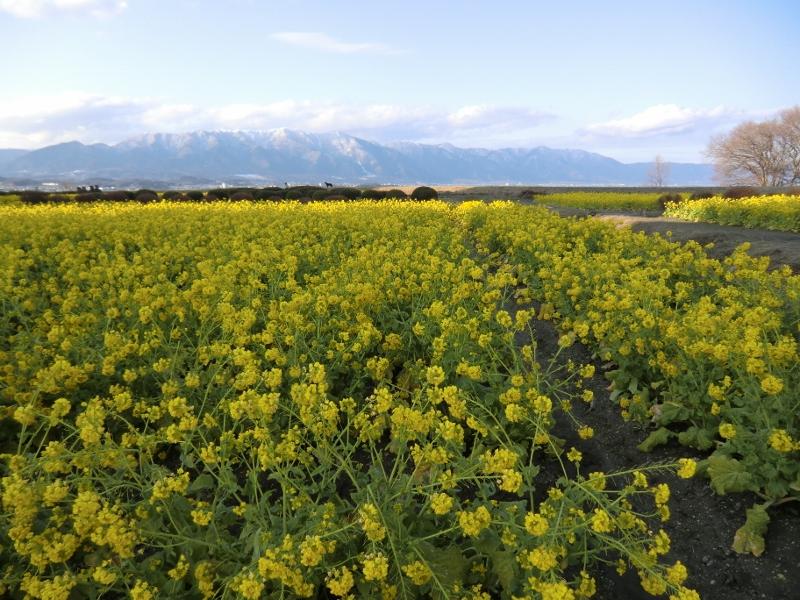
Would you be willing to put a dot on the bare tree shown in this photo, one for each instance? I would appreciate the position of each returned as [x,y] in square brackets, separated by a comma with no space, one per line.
[789,131]
[765,154]
[659,172]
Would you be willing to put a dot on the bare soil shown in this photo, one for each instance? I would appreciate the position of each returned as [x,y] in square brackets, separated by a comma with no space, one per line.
[782,247]
[702,524]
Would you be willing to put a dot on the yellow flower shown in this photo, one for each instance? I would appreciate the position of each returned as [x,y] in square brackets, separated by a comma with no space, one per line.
[370,519]
[652,584]
[727,431]
[103,575]
[685,594]
[661,543]
[640,480]
[201,516]
[574,455]
[771,385]
[472,523]
[687,469]
[661,493]
[557,590]
[601,521]
[180,570]
[536,524]
[515,413]
[541,404]
[441,503]
[418,572]
[677,574]
[435,375]
[511,481]
[312,550]
[143,591]
[587,587]
[781,441]
[340,581]
[250,587]
[375,567]
[55,492]
[543,559]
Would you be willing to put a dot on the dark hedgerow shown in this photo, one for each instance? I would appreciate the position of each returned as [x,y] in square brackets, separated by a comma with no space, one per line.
[738,192]
[85,197]
[241,197]
[220,193]
[349,193]
[424,192]
[663,199]
[373,194]
[34,197]
[396,194]
[301,191]
[269,193]
[146,196]
[118,196]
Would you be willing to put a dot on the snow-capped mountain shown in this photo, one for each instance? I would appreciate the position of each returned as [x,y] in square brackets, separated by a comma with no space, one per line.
[286,155]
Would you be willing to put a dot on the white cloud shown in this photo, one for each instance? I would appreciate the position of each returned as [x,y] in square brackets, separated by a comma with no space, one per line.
[325,43]
[30,121]
[36,121]
[31,9]
[663,119]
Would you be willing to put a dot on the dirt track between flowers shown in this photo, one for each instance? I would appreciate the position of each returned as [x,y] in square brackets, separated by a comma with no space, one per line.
[783,248]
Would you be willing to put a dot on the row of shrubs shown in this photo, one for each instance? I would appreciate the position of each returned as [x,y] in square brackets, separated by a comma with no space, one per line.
[302,193]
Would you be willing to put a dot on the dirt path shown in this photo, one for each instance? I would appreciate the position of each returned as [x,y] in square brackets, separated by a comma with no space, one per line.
[782,247]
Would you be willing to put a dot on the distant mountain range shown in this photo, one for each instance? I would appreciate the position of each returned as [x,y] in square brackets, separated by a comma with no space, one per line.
[282,155]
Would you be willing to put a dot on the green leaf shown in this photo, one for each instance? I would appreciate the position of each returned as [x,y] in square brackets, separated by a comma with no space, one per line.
[504,567]
[448,564]
[672,412]
[728,475]
[749,537]
[204,482]
[660,436]
[695,437]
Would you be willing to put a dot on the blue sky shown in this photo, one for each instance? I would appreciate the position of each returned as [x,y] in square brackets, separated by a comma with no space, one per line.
[627,79]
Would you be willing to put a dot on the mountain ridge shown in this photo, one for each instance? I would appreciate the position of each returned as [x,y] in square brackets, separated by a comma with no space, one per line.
[280,155]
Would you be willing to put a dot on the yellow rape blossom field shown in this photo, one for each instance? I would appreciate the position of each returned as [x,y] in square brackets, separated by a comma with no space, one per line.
[332,399]
[779,212]
[635,201]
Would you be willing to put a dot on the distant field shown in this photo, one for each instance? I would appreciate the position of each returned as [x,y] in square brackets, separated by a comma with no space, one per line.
[9,200]
[600,199]
[779,213]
